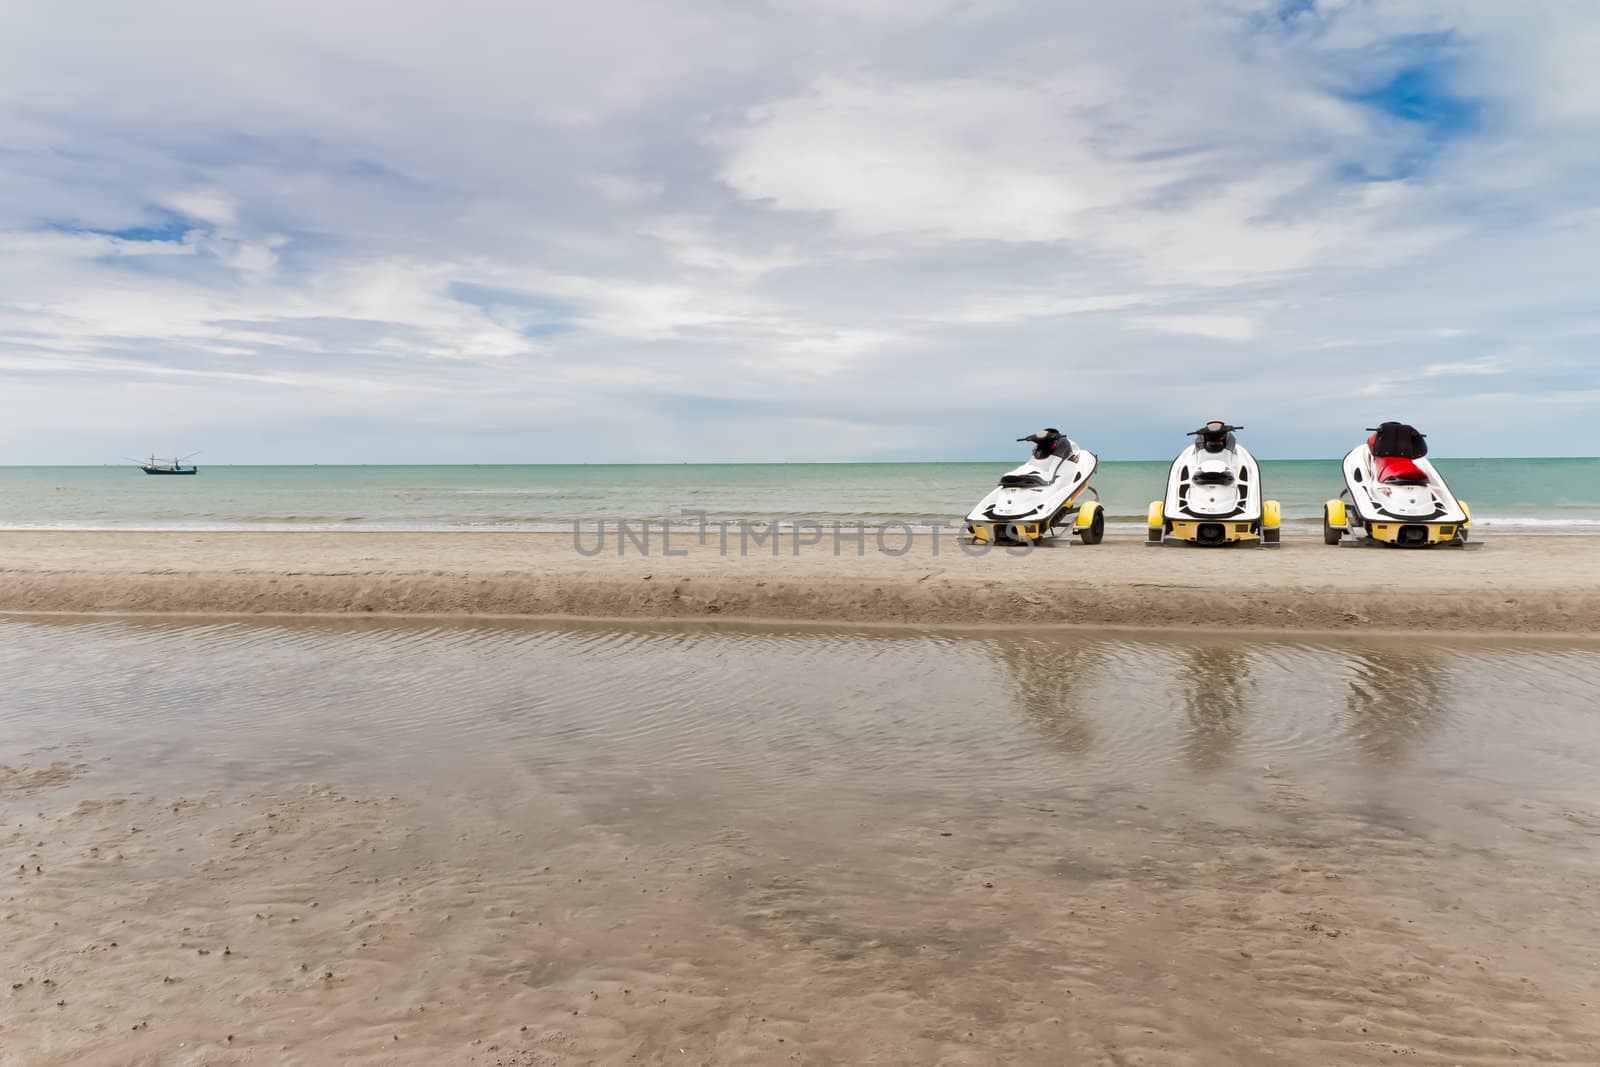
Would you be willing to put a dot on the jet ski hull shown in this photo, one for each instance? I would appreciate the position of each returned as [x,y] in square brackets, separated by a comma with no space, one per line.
[1406,504]
[1039,500]
[1214,499]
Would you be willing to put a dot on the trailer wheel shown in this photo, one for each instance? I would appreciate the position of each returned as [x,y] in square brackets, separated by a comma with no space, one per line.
[1330,532]
[1096,529]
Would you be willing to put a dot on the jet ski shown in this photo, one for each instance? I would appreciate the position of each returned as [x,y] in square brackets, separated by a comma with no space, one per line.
[1043,498]
[1394,495]
[1214,494]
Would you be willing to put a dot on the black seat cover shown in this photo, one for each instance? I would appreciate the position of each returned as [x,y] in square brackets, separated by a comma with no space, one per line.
[1398,440]
[1048,443]
[1052,442]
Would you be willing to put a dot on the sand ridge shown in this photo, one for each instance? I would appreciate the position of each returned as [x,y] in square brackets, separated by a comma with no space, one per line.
[1528,584]
[27,779]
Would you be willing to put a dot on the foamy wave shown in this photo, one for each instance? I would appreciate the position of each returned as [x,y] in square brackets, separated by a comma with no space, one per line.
[1118,524]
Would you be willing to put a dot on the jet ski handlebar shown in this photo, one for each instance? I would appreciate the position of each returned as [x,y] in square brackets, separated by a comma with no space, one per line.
[1214,430]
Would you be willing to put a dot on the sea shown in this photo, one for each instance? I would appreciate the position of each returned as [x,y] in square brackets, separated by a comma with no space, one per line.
[1530,495]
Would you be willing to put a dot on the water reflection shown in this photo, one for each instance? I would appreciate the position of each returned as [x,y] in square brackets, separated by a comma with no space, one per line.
[1049,679]
[1216,686]
[741,706]
[1397,696]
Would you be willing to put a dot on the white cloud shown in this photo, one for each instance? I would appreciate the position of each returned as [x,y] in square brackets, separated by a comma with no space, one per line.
[1216,327]
[1470,367]
[694,243]
[1204,195]
[208,205]
[999,308]
[25,248]
[944,160]
[627,189]
[1408,381]
[702,216]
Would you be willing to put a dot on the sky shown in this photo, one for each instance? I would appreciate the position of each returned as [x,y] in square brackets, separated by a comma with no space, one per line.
[787,230]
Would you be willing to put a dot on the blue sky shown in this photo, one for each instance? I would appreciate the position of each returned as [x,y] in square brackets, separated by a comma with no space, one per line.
[821,230]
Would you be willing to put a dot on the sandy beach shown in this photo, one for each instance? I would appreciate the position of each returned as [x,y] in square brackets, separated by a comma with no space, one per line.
[413,842]
[1527,584]
[309,926]
[331,798]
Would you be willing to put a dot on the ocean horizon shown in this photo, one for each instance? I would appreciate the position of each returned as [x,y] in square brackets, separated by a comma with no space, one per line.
[1557,494]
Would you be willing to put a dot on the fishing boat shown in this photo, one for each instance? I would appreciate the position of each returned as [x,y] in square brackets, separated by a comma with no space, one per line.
[167,466]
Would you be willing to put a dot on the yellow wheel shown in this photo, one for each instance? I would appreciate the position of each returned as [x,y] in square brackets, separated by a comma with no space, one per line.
[1271,520]
[1091,523]
[1334,522]
[1157,522]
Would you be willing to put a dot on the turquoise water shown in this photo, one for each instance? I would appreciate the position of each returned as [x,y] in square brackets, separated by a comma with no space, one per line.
[1549,494]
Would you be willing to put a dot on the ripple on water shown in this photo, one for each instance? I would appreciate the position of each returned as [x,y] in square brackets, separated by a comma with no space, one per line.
[763,709]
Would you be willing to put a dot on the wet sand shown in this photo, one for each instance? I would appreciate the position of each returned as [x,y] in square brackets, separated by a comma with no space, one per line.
[412,843]
[1505,583]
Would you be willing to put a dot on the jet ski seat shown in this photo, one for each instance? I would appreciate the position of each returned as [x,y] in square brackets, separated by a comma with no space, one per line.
[1397,470]
[1032,479]
[1394,446]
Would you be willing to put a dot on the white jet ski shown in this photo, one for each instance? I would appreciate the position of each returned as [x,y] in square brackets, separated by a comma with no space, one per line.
[1214,494]
[1393,495]
[1043,498]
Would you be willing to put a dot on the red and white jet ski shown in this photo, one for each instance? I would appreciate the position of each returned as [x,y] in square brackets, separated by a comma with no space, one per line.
[1394,495]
